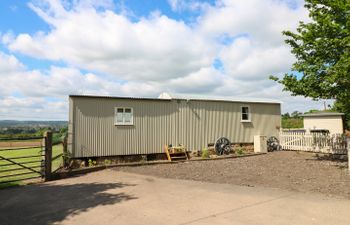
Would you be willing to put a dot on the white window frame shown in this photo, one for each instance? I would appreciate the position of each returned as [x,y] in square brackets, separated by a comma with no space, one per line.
[249,114]
[123,123]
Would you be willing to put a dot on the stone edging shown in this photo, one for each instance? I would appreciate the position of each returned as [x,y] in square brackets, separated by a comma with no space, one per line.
[74,172]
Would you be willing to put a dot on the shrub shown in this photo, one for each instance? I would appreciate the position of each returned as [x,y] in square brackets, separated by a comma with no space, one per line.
[239,151]
[205,153]
[92,162]
[56,138]
[107,162]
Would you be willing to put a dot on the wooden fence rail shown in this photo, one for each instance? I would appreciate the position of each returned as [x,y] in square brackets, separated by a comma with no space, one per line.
[26,162]
[313,142]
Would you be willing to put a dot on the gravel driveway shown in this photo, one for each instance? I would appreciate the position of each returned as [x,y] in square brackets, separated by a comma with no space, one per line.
[297,171]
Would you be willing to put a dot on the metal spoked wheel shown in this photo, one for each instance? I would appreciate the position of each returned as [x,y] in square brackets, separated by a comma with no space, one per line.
[222,146]
[273,144]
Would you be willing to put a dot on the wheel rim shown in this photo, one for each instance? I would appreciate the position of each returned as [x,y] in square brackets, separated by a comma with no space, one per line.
[222,145]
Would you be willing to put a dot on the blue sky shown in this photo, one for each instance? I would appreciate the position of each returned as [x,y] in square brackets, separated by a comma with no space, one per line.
[51,48]
[17,17]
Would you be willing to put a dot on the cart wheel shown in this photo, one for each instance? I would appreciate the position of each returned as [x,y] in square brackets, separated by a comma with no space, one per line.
[273,144]
[222,146]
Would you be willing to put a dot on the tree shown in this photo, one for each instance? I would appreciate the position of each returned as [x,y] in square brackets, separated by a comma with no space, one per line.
[286,115]
[296,114]
[313,111]
[322,51]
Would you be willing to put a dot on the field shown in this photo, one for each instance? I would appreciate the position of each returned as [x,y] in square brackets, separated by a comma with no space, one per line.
[35,151]
[19,144]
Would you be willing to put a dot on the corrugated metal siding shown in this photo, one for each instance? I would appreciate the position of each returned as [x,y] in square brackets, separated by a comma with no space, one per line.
[156,123]
[70,139]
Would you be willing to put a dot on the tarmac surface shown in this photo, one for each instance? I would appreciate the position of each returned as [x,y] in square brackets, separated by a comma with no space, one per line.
[114,197]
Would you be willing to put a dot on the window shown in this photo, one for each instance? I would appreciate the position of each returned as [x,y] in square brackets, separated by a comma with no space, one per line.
[245,114]
[123,116]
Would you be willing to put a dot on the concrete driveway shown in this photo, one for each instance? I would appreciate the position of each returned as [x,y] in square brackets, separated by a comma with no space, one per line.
[112,197]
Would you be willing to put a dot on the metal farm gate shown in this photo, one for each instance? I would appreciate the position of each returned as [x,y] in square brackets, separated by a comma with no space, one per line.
[25,159]
[313,142]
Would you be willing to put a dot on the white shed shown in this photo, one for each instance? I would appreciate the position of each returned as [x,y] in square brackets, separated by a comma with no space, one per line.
[331,121]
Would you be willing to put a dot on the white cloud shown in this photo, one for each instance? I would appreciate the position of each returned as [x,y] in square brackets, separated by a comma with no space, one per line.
[245,60]
[26,94]
[191,5]
[59,82]
[206,80]
[261,20]
[32,108]
[154,48]
[152,54]
[177,5]
[9,63]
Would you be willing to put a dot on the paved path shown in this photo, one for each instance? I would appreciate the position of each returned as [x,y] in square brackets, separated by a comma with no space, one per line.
[112,197]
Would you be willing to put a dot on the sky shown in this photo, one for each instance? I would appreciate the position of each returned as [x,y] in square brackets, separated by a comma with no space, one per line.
[52,48]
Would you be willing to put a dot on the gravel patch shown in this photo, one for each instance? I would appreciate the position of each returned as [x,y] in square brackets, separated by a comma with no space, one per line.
[297,171]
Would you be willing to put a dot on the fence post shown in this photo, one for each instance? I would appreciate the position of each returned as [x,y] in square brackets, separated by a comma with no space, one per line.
[65,151]
[48,154]
[348,148]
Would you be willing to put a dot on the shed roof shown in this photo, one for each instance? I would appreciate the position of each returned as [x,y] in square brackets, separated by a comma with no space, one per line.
[321,114]
[167,97]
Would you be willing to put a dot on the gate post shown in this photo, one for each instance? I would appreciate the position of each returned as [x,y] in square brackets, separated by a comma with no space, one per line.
[48,154]
[348,148]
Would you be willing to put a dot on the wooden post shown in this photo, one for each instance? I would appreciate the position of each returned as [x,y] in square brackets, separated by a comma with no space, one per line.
[348,148]
[65,151]
[48,154]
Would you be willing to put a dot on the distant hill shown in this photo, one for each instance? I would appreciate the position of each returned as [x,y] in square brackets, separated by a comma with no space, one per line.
[32,124]
[24,129]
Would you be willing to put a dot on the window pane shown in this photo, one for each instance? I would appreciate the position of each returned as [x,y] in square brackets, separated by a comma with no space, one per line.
[245,110]
[245,116]
[119,117]
[127,116]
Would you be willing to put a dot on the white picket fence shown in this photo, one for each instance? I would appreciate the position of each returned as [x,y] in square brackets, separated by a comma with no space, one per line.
[313,142]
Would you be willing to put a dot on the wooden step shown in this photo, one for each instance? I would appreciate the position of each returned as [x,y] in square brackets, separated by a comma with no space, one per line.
[177,153]
[178,157]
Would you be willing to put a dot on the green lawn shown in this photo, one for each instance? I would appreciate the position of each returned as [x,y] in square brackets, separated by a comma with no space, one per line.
[57,149]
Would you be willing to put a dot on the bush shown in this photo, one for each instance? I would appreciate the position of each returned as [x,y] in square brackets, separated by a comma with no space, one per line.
[56,138]
[107,162]
[205,153]
[92,162]
[239,151]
